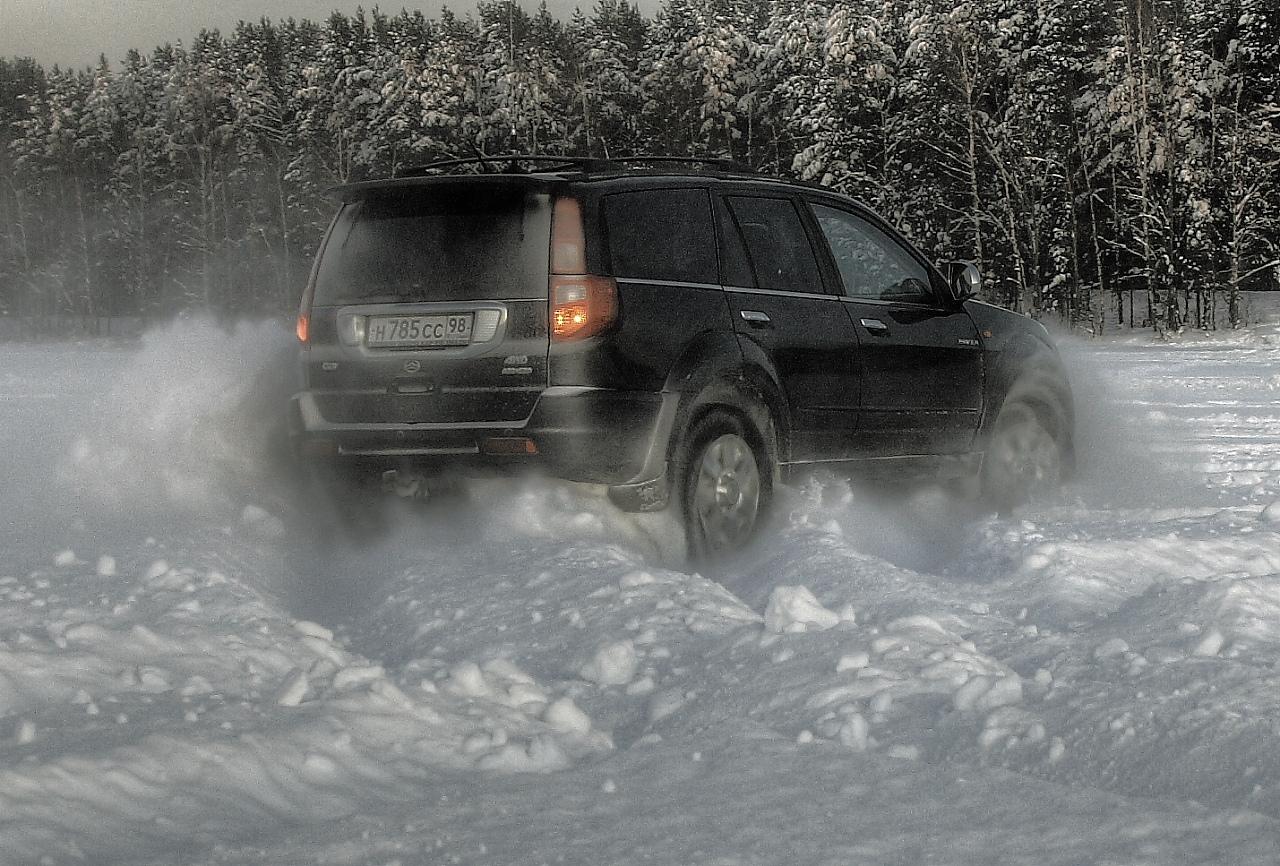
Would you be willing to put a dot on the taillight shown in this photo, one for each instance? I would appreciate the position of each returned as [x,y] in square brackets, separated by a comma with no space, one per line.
[304,327]
[581,305]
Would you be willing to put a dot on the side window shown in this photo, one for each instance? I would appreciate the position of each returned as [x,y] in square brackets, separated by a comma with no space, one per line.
[777,245]
[662,234]
[872,264]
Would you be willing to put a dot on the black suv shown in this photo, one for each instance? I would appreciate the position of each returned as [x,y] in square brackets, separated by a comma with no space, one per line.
[677,330]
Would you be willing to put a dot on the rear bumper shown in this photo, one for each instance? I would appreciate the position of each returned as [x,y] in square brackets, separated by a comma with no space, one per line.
[594,435]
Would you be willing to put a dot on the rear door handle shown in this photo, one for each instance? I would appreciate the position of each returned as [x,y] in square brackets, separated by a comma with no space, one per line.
[875,326]
[756,318]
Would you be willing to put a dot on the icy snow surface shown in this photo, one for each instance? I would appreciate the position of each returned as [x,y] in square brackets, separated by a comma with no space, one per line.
[521,674]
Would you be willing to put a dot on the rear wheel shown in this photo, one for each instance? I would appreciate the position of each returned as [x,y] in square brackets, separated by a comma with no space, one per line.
[1023,461]
[727,483]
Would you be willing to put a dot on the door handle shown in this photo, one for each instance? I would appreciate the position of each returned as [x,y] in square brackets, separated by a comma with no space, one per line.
[756,318]
[875,326]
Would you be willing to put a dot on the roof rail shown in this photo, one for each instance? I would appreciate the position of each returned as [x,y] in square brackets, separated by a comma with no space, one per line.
[509,163]
[725,165]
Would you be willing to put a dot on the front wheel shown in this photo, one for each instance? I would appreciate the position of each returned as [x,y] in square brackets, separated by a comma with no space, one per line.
[1023,461]
[727,486]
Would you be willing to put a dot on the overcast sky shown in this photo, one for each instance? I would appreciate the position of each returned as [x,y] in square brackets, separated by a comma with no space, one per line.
[75,32]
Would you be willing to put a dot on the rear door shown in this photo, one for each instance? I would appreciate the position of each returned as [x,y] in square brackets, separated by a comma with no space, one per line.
[782,309]
[430,305]
[921,354]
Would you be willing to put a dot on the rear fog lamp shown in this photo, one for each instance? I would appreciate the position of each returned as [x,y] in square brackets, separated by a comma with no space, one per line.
[486,325]
[508,446]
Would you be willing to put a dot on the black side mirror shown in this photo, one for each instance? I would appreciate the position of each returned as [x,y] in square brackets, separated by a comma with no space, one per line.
[964,280]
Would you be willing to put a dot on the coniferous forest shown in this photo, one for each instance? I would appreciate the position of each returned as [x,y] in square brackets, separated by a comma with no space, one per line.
[1083,153]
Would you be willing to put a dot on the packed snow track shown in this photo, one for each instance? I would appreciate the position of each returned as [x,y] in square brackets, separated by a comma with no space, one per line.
[189,673]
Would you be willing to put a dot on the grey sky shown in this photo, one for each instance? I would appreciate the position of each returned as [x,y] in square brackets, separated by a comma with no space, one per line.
[75,32]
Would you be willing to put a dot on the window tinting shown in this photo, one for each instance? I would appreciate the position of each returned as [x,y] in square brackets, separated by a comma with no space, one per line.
[440,244]
[735,269]
[872,264]
[777,244]
[662,234]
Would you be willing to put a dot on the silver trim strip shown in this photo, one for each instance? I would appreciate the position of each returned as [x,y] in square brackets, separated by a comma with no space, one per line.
[569,390]
[637,281]
[408,452]
[778,293]
[883,303]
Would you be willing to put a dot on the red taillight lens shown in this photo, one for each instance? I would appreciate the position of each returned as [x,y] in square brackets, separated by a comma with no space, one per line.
[582,306]
[304,327]
[568,245]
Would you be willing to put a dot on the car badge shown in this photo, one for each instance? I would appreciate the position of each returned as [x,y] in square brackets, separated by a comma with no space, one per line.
[412,366]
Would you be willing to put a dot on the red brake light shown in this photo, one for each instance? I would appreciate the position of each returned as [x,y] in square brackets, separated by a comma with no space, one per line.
[304,327]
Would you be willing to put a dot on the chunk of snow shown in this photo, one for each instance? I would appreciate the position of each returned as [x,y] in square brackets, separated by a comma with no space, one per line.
[153,679]
[664,703]
[65,559]
[609,787]
[564,715]
[261,522]
[1005,691]
[804,737]
[1057,748]
[854,732]
[541,754]
[293,689]
[792,606]
[155,569]
[507,670]
[519,694]
[358,675]
[26,732]
[1210,644]
[312,629]
[642,686]
[633,579]
[1110,649]
[614,664]
[852,662]
[318,768]
[106,566]
[1271,514]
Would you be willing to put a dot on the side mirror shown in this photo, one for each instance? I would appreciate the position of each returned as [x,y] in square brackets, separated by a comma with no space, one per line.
[964,280]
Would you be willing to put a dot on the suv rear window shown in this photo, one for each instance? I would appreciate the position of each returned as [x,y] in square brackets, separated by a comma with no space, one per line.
[438,244]
[662,234]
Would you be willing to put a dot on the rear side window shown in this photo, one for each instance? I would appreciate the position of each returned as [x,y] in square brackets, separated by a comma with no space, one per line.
[777,244]
[438,244]
[662,234]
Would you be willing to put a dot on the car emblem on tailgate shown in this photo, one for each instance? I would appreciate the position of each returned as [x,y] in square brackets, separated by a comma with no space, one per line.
[412,366]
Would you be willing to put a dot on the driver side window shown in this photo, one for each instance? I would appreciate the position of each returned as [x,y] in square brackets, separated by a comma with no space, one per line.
[872,265]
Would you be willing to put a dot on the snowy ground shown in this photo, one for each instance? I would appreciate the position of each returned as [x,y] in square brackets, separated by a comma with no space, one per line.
[523,675]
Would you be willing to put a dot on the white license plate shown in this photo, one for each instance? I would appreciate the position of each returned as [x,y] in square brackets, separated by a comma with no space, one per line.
[396,331]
